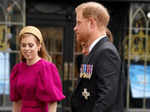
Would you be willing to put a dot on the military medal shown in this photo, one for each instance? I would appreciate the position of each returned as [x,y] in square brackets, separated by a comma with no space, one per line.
[81,71]
[86,71]
[90,71]
[85,93]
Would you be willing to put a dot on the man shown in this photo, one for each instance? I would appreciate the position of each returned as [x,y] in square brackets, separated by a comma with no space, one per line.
[99,87]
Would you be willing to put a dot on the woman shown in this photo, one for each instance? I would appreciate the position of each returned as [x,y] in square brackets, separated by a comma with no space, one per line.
[35,85]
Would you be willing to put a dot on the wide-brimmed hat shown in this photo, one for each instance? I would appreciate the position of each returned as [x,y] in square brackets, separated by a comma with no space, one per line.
[33,30]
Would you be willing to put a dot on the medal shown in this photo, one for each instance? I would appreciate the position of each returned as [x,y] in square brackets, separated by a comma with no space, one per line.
[86,71]
[85,93]
[81,71]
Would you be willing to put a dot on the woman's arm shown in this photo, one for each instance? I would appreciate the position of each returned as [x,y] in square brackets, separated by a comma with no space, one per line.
[52,107]
[16,106]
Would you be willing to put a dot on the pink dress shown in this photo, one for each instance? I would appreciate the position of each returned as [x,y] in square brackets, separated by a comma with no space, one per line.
[35,85]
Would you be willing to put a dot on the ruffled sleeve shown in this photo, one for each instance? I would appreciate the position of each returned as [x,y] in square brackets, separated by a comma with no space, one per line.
[14,95]
[49,88]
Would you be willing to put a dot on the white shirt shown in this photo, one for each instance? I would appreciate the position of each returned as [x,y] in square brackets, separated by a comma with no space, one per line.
[95,42]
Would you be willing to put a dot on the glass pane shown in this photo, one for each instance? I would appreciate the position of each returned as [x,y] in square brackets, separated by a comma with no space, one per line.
[15,11]
[139,19]
[53,41]
[2,17]
[139,67]
[3,39]
[11,21]
[53,38]
[148,47]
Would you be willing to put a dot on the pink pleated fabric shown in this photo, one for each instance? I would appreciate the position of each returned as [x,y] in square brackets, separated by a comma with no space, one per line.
[35,85]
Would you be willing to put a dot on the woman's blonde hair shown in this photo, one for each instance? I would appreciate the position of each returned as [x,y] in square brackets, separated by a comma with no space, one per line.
[32,30]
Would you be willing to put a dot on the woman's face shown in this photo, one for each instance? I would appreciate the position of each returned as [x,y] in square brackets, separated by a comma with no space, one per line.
[29,47]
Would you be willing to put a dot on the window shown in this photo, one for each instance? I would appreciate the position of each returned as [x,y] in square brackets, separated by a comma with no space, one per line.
[12,19]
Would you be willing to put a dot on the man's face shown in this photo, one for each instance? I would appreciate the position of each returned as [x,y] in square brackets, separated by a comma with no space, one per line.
[81,28]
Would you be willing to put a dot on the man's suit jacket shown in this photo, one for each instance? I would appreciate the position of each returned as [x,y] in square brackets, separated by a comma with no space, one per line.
[102,92]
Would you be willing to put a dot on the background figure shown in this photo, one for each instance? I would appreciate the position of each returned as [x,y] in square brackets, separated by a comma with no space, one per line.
[100,87]
[109,35]
[35,85]
[85,46]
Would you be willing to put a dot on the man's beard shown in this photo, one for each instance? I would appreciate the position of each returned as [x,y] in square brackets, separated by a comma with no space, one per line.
[82,39]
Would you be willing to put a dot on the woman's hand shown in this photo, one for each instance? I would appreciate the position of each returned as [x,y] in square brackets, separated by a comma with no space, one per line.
[17,106]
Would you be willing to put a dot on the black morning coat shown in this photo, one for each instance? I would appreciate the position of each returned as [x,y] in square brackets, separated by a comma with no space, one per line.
[100,86]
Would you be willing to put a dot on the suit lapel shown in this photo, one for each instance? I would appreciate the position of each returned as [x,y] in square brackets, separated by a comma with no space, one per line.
[90,56]
[86,59]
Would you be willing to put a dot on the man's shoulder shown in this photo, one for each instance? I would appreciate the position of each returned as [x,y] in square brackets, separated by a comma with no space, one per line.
[105,46]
